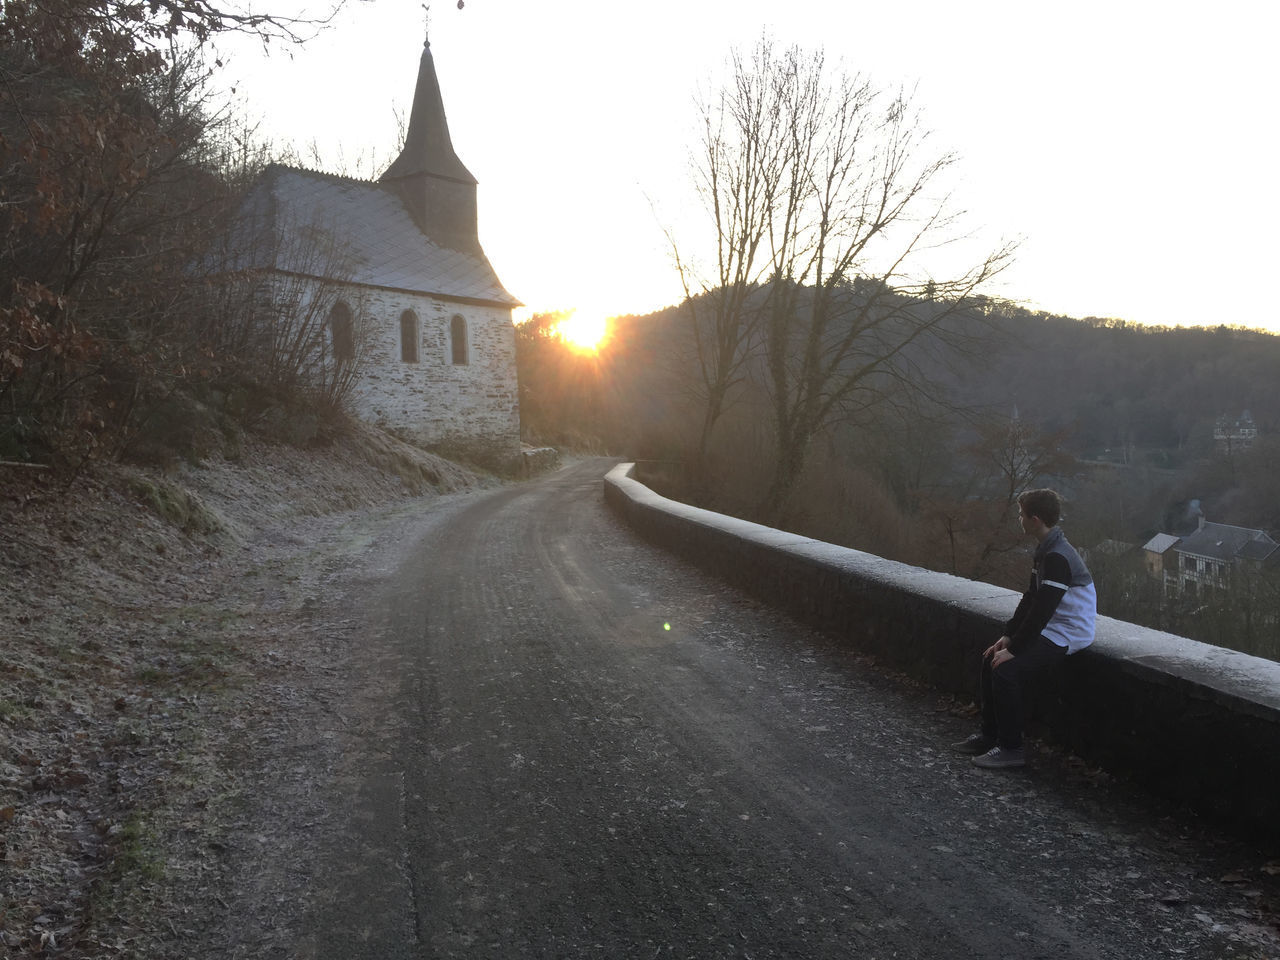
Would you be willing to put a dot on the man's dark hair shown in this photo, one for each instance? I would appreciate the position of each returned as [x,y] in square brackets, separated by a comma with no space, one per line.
[1045,504]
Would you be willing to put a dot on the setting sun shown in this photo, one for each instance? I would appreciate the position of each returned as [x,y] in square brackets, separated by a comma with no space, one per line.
[583,332]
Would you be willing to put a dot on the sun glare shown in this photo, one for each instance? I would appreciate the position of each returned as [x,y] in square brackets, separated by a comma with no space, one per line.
[584,332]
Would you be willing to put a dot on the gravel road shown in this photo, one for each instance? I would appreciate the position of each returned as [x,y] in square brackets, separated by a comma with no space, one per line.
[583,747]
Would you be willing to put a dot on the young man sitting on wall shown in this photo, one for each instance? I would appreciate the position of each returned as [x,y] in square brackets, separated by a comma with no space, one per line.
[1054,619]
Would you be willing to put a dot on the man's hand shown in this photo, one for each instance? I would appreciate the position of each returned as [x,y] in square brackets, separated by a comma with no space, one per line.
[1000,656]
[995,648]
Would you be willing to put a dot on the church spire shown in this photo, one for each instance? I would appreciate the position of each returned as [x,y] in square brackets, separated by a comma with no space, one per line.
[438,189]
[427,147]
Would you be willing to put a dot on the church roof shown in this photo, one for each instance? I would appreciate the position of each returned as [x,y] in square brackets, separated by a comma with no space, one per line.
[320,225]
[427,146]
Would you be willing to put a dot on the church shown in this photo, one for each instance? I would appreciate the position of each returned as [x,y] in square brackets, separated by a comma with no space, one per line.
[411,300]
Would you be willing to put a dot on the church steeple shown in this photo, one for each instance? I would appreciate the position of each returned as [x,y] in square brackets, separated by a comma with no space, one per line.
[432,181]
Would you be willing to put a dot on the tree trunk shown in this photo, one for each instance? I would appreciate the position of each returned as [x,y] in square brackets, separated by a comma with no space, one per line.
[700,480]
[786,473]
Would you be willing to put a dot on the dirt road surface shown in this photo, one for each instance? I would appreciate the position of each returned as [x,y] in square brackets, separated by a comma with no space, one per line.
[545,738]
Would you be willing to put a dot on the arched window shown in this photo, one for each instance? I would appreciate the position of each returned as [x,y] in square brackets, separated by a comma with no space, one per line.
[342,329]
[409,337]
[458,338]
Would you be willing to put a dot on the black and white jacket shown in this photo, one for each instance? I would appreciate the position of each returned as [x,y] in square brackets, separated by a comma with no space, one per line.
[1061,604]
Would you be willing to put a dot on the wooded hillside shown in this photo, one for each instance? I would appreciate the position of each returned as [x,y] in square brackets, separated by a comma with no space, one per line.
[1117,416]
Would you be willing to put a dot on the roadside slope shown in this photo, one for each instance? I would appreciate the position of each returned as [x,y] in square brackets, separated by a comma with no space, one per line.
[144,614]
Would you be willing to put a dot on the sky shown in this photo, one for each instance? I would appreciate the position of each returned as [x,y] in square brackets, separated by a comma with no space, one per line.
[1128,147]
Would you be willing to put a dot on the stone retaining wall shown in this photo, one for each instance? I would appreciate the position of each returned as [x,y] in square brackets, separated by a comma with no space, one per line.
[1195,723]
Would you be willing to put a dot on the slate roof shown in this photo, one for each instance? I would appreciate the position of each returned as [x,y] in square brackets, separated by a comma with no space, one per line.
[427,146]
[1259,549]
[1221,541]
[1160,543]
[316,224]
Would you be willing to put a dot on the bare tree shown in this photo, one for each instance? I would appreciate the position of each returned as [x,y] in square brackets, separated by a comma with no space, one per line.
[737,172]
[105,188]
[826,179]
[297,330]
[1009,456]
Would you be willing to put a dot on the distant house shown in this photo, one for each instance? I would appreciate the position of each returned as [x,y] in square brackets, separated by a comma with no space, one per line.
[1237,434]
[1209,559]
[397,271]
[1156,550]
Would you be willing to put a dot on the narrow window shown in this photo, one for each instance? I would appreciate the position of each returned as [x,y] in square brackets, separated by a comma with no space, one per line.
[458,338]
[409,337]
[342,330]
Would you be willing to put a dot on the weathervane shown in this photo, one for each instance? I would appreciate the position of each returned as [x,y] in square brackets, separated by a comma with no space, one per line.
[426,21]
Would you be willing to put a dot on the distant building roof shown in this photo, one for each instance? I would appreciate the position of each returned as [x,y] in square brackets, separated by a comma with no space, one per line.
[1160,543]
[1113,548]
[1221,541]
[321,225]
[1260,550]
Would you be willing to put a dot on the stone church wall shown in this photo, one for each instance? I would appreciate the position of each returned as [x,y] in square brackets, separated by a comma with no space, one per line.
[471,407]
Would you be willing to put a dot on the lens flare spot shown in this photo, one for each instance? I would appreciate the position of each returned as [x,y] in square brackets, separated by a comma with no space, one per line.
[666,626]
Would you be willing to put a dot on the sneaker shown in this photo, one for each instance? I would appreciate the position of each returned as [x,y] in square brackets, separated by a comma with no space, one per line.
[998,758]
[974,745]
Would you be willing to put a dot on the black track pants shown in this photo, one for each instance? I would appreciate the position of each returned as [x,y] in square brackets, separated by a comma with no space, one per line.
[1004,689]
